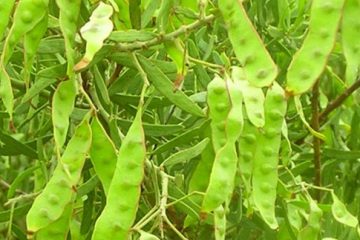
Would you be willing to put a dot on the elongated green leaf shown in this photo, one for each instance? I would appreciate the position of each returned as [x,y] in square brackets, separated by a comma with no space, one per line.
[186,154]
[166,87]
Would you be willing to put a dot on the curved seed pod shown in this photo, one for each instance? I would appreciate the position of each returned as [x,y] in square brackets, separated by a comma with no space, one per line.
[223,172]
[323,26]
[220,223]
[312,230]
[258,65]
[58,192]
[95,32]
[200,178]
[102,154]
[253,98]
[59,229]
[341,214]
[5,13]
[122,201]
[62,106]
[350,30]
[31,42]
[265,175]
[219,107]
[68,19]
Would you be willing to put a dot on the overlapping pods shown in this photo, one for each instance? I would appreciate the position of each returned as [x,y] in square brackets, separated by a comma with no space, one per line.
[124,192]
[49,206]
[227,128]
[258,65]
[265,176]
[317,46]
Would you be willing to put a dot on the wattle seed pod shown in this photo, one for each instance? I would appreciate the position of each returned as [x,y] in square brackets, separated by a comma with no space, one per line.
[58,192]
[323,26]
[265,175]
[124,192]
[258,65]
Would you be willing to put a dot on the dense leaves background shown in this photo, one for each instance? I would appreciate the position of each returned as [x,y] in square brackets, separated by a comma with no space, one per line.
[179,45]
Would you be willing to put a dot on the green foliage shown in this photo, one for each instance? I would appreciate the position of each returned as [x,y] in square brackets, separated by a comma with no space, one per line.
[179,119]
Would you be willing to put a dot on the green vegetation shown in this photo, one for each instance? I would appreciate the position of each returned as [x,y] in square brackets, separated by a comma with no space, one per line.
[179,119]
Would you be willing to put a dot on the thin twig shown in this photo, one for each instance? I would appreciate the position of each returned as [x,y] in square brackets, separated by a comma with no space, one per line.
[338,101]
[316,141]
[129,47]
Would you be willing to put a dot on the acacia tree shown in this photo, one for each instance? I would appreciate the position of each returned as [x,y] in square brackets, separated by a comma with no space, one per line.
[179,119]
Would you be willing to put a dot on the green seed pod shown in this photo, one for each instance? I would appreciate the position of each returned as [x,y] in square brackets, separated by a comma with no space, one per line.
[5,13]
[247,148]
[219,107]
[57,230]
[341,214]
[58,192]
[31,43]
[62,106]
[102,154]
[312,230]
[95,32]
[350,31]
[258,65]
[223,172]
[119,213]
[68,19]
[253,98]
[220,223]
[323,26]
[265,176]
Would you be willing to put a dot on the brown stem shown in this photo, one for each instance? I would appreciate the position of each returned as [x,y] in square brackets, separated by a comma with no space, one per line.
[339,100]
[129,47]
[316,141]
